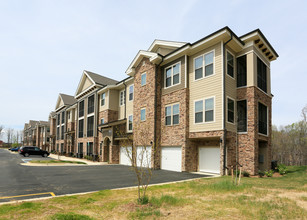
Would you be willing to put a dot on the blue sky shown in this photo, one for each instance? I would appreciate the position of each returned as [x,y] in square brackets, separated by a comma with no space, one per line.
[45,45]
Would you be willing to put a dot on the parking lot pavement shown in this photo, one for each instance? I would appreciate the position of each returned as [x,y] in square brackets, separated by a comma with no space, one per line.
[22,182]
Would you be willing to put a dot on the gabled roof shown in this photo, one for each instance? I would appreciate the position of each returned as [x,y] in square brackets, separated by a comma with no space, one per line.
[64,100]
[90,80]
[32,123]
[44,123]
[165,44]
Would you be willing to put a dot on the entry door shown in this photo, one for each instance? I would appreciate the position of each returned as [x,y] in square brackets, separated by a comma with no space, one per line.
[209,159]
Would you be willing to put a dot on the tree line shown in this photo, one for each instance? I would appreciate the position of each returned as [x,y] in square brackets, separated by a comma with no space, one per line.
[289,143]
[13,137]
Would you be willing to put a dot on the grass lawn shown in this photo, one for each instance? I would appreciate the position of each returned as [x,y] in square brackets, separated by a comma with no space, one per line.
[55,161]
[217,198]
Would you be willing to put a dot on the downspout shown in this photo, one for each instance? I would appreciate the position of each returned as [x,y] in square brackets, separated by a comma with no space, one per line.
[224,105]
[155,103]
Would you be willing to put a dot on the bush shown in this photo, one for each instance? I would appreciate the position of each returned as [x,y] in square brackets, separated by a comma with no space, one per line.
[269,173]
[245,174]
[282,169]
[261,173]
[143,200]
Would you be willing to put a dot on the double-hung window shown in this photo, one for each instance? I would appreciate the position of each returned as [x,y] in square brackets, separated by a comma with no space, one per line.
[143,79]
[230,64]
[261,75]
[58,119]
[102,121]
[230,110]
[262,119]
[122,97]
[204,110]
[131,88]
[63,117]
[143,114]
[103,99]
[90,104]
[172,115]
[172,75]
[203,65]
[130,123]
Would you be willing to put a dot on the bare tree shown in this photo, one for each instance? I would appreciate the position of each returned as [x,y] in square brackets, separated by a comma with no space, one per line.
[9,135]
[1,129]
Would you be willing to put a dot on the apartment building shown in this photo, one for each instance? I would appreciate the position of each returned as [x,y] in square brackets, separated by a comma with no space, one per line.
[205,106]
[30,133]
[37,133]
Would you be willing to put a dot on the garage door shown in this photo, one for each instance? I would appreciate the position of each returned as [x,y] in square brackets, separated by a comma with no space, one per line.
[209,159]
[123,158]
[143,156]
[171,158]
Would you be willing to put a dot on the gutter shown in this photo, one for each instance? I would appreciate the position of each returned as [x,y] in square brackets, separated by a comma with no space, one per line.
[224,104]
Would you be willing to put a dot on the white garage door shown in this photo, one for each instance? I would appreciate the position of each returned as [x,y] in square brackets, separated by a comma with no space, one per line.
[209,159]
[171,158]
[123,158]
[143,156]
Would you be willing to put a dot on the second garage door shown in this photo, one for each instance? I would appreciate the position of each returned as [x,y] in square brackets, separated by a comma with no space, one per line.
[123,157]
[171,158]
[209,159]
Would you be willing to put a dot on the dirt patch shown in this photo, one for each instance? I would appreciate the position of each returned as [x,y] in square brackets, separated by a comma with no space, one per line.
[295,196]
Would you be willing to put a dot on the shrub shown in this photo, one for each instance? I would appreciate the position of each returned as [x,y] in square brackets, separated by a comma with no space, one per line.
[245,174]
[282,169]
[261,173]
[269,173]
[143,200]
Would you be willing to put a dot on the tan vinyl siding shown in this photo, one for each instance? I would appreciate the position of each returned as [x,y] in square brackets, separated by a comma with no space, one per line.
[106,103]
[181,84]
[87,83]
[205,88]
[251,70]
[61,103]
[230,88]
[113,99]
[129,104]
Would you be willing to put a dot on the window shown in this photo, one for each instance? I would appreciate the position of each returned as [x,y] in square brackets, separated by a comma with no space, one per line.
[230,64]
[81,109]
[172,115]
[209,110]
[242,116]
[62,132]
[122,97]
[103,99]
[58,133]
[102,121]
[230,110]
[68,115]
[90,126]
[62,148]
[48,129]
[57,147]
[143,114]
[261,75]
[58,119]
[199,111]
[241,71]
[81,123]
[48,139]
[89,149]
[203,65]
[90,104]
[207,115]
[143,79]
[63,117]
[80,148]
[262,119]
[131,92]
[130,123]
[172,75]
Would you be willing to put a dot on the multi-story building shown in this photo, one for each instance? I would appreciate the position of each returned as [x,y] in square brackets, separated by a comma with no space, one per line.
[205,106]
[37,133]
[30,133]
[52,121]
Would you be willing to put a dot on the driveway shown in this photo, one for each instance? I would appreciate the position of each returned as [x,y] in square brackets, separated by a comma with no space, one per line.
[23,182]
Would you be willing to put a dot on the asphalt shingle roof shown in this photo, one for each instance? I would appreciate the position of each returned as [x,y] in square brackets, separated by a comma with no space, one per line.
[102,80]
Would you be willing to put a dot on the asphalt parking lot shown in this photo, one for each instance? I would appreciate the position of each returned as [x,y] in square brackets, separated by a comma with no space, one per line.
[19,182]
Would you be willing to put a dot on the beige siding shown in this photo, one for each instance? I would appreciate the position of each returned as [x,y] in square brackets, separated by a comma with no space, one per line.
[121,112]
[164,51]
[113,99]
[129,110]
[106,105]
[181,84]
[251,69]
[205,88]
[230,90]
[87,84]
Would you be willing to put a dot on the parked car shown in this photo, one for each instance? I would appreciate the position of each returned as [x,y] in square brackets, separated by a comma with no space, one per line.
[15,149]
[27,151]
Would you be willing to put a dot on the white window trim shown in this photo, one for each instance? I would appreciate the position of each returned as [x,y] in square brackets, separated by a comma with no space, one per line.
[141,114]
[132,93]
[172,114]
[101,120]
[204,110]
[234,111]
[145,80]
[124,97]
[172,75]
[89,115]
[128,124]
[203,55]
[267,123]
[234,65]
[102,99]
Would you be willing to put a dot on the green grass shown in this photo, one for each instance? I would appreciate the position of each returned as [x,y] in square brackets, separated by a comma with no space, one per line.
[167,200]
[70,216]
[56,161]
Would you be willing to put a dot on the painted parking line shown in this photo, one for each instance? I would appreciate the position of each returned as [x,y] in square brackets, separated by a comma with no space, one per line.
[36,194]
[26,160]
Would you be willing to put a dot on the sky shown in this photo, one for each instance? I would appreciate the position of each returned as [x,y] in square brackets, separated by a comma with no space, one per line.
[46,44]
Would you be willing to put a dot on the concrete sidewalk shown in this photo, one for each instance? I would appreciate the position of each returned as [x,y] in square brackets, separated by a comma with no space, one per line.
[88,162]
